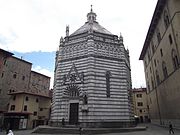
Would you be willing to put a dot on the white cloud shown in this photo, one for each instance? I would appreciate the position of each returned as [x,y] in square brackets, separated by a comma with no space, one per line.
[37,25]
[45,72]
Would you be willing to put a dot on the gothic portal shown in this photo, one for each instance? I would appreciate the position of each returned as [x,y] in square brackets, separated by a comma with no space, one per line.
[92,78]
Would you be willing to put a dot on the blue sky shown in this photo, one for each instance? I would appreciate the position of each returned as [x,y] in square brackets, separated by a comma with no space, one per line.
[32,28]
[44,59]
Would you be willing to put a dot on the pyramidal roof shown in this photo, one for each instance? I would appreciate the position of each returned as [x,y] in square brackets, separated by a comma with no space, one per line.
[92,25]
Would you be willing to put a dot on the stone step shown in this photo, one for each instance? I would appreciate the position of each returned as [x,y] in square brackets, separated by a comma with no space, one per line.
[76,130]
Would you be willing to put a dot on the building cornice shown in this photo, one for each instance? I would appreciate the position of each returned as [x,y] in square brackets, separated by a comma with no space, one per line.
[17,113]
[22,60]
[139,90]
[91,55]
[6,52]
[28,93]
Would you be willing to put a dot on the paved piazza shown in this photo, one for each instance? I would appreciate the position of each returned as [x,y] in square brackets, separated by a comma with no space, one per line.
[152,130]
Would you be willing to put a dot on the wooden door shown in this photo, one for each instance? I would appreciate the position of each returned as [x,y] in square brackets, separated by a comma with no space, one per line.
[74,113]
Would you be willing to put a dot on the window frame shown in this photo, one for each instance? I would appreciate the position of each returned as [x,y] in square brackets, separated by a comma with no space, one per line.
[12,108]
[164,69]
[25,108]
[166,19]
[157,78]
[175,59]
[139,103]
[170,39]
[14,75]
[139,95]
[161,52]
[158,34]
[108,93]
[27,98]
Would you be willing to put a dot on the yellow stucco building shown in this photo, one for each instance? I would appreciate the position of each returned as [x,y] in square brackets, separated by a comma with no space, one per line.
[27,110]
[140,104]
[160,55]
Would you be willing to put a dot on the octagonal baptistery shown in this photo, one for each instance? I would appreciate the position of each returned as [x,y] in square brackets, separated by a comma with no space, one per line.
[92,78]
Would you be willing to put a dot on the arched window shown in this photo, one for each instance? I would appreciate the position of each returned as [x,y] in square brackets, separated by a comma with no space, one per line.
[108,74]
[164,68]
[158,35]
[166,19]
[14,75]
[148,86]
[152,45]
[145,63]
[170,39]
[152,83]
[175,59]
[149,57]
[157,77]
[93,18]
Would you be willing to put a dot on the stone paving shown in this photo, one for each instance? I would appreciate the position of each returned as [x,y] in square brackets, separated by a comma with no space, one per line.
[151,130]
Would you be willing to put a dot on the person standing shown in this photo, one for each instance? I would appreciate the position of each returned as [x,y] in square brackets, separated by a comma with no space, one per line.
[10,132]
[80,130]
[171,128]
[63,122]
[1,128]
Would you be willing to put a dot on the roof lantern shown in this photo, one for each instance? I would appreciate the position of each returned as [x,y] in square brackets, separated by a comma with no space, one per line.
[91,16]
